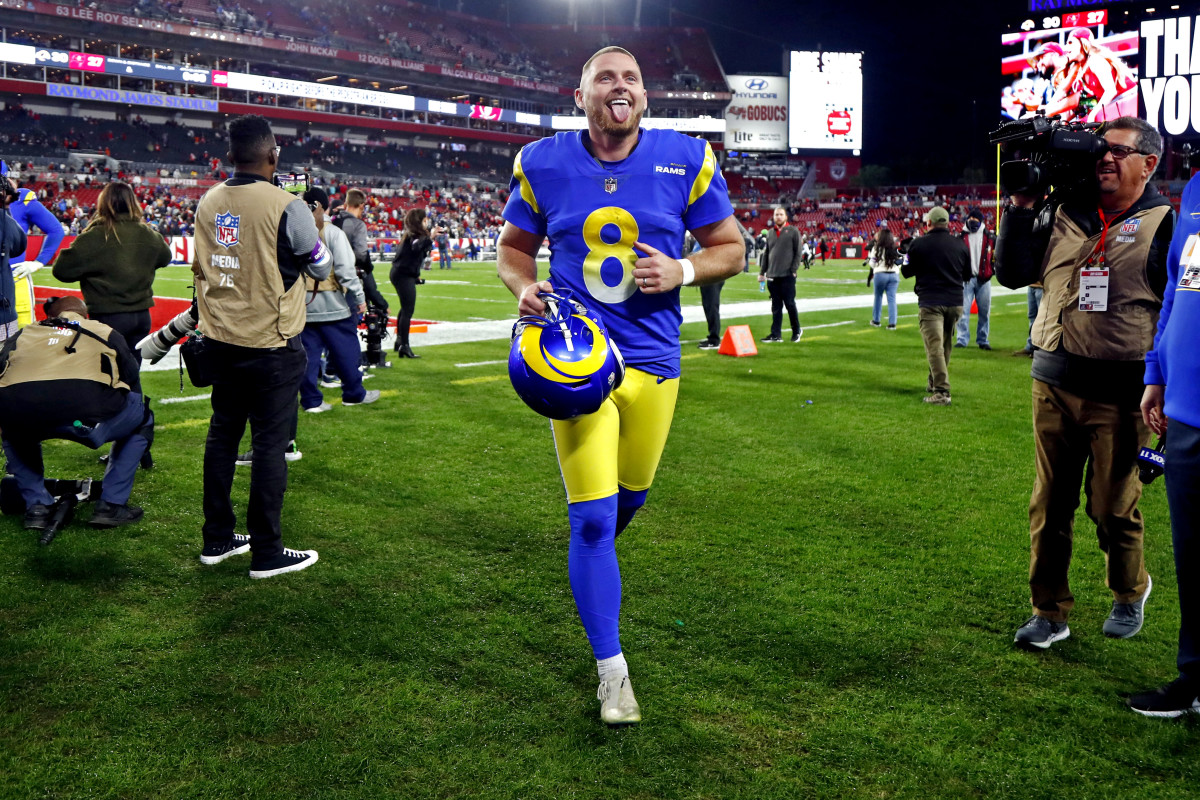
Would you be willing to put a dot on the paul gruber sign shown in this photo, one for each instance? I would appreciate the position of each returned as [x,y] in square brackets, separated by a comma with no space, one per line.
[757,117]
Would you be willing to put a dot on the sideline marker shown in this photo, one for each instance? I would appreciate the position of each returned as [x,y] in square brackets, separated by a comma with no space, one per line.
[738,342]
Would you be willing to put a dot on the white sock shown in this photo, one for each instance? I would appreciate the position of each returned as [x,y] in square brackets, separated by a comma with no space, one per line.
[614,667]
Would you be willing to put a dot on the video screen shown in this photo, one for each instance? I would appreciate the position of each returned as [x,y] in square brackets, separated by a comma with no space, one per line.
[1071,66]
[825,101]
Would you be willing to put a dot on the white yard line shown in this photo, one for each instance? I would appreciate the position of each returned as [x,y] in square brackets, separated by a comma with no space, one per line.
[501,329]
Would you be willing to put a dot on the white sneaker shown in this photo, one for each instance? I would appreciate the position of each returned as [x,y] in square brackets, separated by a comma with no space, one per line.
[321,409]
[618,706]
[370,397]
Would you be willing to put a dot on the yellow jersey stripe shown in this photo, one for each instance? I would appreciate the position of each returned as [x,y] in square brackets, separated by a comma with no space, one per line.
[526,189]
[707,170]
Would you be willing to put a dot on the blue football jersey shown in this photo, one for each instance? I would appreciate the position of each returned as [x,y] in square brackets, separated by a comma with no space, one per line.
[29,213]
[593,212]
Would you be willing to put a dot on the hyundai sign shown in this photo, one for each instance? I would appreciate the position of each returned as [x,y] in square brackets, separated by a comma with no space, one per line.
[757,117]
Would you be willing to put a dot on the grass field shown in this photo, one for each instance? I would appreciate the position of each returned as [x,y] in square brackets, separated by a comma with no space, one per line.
[819,599]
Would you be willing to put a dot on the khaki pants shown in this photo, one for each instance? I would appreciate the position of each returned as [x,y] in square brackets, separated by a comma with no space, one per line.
[1072,434]
[937,329]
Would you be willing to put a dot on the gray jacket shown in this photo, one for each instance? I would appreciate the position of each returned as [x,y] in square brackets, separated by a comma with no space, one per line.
[782,256]
[332,306]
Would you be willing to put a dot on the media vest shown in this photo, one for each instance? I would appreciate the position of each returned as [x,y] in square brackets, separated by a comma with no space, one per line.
[240,293]
[43,353]
[1125,332]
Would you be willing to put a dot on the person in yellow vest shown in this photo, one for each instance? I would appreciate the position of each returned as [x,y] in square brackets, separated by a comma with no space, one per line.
[69,377]
[1102,260]
[254,245]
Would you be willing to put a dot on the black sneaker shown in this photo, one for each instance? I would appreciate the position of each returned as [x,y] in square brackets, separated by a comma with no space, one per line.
[796,336]
[218,552]
[771,339]
[111,515]
[37,517]
[287,561]
[1040,633]
[874,324]
[956,344]
[1177,698]
[709,344]
[985,346]
[245,459]
[1126,619]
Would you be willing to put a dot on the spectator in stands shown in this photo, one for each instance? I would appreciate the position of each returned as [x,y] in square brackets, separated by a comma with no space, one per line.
[778,266]
[349,219]
[114,261]
[940,264]
[332,311]
[415,244]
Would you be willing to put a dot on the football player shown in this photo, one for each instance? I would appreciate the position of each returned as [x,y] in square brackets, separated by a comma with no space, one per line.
[615,201]
[30,213]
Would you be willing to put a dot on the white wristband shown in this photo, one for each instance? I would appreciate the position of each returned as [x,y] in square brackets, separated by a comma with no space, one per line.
[689,272]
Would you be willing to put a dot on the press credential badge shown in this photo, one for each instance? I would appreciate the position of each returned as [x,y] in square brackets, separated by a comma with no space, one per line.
[1093,289]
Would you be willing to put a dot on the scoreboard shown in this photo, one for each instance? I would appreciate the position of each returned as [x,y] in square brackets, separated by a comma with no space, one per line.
[825,101]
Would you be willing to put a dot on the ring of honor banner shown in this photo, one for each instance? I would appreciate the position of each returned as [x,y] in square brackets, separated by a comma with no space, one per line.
[757,117]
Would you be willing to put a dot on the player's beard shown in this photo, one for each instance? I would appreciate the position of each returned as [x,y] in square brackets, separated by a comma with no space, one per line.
[599,116]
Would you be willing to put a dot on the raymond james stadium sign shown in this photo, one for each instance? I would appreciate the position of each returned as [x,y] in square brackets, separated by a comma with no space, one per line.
[1067,5]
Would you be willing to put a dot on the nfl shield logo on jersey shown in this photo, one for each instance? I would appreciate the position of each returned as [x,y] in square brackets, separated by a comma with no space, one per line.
[610,185]
[227,229]
[1131,226]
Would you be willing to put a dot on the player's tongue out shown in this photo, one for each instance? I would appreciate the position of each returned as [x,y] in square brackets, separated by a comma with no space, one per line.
[619,109]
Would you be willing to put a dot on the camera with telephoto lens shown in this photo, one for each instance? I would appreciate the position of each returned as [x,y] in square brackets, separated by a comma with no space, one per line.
[1049,153]
[1152,463]
[375,323]
[159,343]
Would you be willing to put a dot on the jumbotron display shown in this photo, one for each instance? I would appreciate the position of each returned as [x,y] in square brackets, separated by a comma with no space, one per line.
[825,98]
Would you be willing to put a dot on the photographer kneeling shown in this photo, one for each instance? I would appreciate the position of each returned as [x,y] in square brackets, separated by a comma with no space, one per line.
[1101,256]
[68,377]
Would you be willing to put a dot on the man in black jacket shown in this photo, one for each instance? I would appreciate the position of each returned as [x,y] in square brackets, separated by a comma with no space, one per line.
[1102,262]
[778,265]
[68,377]
[941,264]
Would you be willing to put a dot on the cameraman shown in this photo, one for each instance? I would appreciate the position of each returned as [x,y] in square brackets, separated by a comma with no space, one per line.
[12,245]
[1090,338]
[253,241]
[349,219]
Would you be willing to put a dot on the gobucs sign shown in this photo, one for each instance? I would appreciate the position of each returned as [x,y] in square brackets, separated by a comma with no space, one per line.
[227,229]
[756,118]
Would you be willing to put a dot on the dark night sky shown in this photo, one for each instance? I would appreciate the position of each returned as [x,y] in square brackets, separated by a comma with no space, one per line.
[931,71]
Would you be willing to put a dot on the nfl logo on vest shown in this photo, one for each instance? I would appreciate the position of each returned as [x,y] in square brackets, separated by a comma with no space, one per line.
[227,229]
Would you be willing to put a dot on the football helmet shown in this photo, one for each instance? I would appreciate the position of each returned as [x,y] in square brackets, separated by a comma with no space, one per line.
[563,364]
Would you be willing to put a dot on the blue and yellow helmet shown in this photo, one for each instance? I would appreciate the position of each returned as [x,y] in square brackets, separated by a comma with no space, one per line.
[563,364]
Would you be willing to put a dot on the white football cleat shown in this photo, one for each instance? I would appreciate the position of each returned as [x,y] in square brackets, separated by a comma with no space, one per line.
[618,706]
